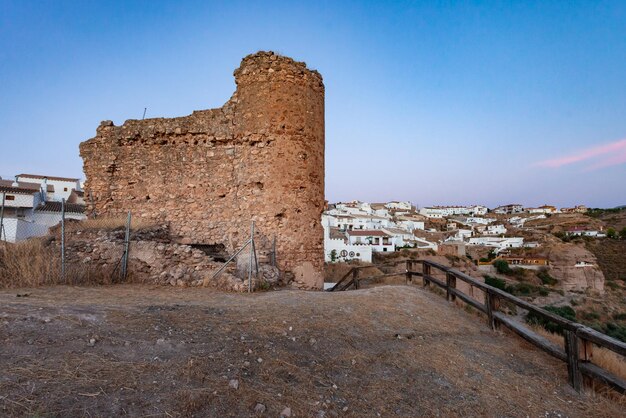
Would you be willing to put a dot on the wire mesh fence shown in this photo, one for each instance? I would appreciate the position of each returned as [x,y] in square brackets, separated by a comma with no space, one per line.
[66,247]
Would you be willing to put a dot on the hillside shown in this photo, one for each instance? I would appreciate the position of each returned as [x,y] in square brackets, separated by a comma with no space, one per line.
[386,351]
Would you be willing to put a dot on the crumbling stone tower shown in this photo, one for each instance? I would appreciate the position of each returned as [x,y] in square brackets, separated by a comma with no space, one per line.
[260,157]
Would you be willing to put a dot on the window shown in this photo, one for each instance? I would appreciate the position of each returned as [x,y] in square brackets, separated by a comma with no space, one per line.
[9,197]
[65,189]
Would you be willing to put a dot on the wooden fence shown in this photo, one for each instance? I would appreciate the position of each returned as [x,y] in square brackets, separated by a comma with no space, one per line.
[578,339]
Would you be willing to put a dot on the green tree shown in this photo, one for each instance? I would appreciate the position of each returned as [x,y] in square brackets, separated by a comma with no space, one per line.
[502,267]
[622,233]
[333,256]
[610,232]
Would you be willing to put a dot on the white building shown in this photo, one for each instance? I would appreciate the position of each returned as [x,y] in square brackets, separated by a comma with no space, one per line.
[400,206]
[545,209]
[582,231]
[495,230]
[62,186]
[379,240]
[509,209]
[410,225]
[336,248]
[498,243]
[27,213]
[438,212]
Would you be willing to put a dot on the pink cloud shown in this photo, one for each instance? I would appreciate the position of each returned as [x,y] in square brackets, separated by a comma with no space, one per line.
[618,147]
[615,159]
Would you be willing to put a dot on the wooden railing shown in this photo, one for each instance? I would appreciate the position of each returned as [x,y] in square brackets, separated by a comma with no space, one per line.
[578,339]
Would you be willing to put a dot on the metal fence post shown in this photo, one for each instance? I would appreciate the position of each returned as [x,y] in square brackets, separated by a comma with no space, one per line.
[63,239]
[274,252]
[126,247]
[2,231]
[251,255]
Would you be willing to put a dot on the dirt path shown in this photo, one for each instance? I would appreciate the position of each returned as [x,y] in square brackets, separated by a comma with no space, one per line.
[386,351]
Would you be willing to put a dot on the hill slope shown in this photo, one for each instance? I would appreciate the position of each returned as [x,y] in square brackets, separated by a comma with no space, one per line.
[386,351]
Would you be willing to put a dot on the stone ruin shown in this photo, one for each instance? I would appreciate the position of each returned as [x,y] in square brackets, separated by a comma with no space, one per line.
[208,175]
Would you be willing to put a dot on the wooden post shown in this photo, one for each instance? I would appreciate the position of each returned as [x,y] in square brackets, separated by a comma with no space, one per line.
[409,266]
[355,279]
[586,350]
[492,303]
[572,351]
[450,283]
[426,273]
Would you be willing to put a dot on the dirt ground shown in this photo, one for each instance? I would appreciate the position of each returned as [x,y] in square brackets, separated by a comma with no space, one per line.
[385,351]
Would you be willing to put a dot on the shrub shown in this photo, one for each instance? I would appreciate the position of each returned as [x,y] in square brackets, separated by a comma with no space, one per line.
[566,312]
[545,277]
[495,282]
[610,232]
[614,330]
[620,316]
[502,267]
[590,316]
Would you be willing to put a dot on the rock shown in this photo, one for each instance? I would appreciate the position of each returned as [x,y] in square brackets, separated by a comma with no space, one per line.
[92,342]
[259,408]
[234,383]
[286,413]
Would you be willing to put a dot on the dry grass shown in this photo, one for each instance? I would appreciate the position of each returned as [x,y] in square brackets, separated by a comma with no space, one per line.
[602,357]
[29,263]
[37,262]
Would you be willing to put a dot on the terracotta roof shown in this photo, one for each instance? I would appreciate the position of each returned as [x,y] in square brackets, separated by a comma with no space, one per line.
[22,187]
[56,207]
[37,176]
[367,233]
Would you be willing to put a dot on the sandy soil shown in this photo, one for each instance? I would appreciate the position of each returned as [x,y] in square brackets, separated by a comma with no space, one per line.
[385,351]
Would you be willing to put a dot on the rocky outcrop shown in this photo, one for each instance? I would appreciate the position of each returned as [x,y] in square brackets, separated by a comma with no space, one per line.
[154,259]
[563,258]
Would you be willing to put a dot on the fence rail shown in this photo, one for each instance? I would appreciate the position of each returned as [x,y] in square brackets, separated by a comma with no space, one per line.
[578,339]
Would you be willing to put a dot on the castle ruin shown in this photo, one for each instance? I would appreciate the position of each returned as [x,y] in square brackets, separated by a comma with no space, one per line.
[208,175]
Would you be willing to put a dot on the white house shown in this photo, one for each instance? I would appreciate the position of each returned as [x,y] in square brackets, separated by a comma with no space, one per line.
[545,209]
[336,247]
[446,211]
[509,209]
[498,243]
[495,230]
[379,240]
[582,231]
[400,237]
[63,186]
[27,213]
[478,210]
[399,206]
[410,225]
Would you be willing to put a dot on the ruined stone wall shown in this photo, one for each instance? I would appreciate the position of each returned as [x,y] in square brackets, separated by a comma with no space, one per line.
[208,175]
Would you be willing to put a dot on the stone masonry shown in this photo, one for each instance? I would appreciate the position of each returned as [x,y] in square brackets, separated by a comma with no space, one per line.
[208,175]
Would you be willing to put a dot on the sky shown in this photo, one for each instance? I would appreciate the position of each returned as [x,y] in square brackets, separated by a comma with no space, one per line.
[435,102]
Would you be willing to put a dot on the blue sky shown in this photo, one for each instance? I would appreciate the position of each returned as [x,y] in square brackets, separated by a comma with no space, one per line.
[436,102]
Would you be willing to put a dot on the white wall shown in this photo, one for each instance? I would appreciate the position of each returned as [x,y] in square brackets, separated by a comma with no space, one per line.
[59,186]
[352,252]
[19,200]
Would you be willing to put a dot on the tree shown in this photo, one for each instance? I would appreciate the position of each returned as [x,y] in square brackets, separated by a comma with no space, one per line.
[622,233]
[610,232]
[333,256]
[502,267]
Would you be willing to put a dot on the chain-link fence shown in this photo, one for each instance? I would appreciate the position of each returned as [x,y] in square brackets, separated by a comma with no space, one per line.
[59,245]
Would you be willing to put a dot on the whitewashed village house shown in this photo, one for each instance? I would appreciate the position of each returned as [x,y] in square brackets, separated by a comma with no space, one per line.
[31,208]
